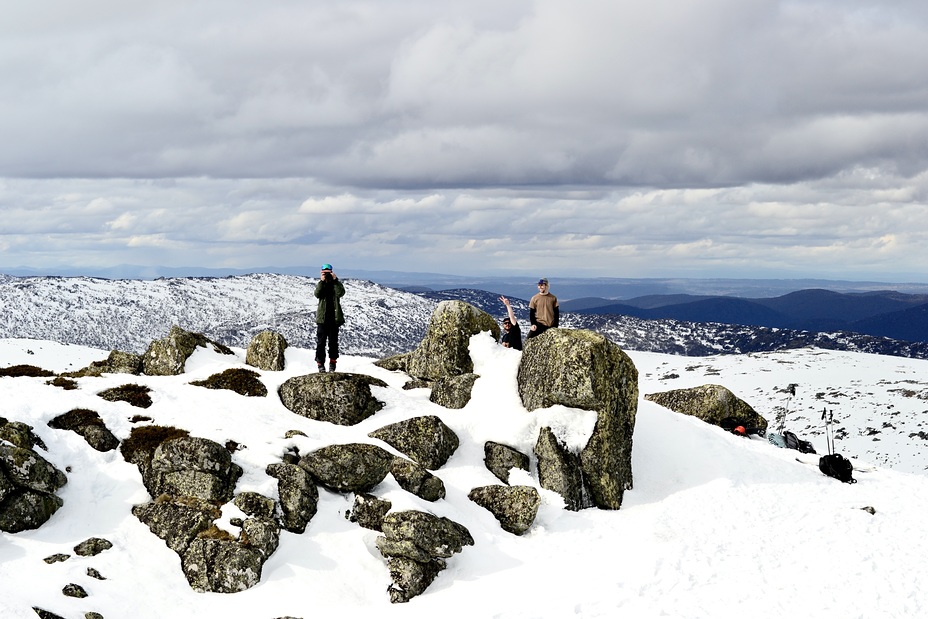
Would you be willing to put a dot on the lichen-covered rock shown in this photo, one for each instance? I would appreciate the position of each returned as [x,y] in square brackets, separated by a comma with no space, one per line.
[559,469]
[582,369]
[425,439]
[20,434]
[515,507]
[118,362]
[369,511]
[416,480]
[411,578]
[342,398]
[453,391]
[416,545]
[354,467]
[299,497]
[24,510]
[262,534]
[445,350]
[89,425]
[255,505]
[501,459]
[27,469]
[711,403]
[93,546]
[194,467]
[221,566]
[396,363]
[177,522]
[168,356]
[266,351]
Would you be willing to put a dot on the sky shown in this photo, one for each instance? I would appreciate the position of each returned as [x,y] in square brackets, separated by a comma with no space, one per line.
[726,138]
[715,526]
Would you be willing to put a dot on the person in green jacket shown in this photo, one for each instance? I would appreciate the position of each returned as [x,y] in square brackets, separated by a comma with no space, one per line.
[329,316]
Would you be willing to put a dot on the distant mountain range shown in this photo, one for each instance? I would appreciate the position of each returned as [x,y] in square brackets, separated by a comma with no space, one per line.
[885,313]
[129,314]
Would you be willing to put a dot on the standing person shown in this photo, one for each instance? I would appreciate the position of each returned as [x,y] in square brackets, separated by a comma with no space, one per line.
[543,311]
[329,316]
[512,338]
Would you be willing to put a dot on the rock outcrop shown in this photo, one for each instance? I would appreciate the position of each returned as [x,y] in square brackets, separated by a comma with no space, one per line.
[266,351]
[501,459]
[168,356]
[427,440]
[583,369]
[515,507]
[416,545]
[711,403]
[118,362]
[28,483]
[342,398]
[442,359]
[353,467]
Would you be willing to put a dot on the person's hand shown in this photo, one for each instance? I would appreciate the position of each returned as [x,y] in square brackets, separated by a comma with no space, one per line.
[504,300]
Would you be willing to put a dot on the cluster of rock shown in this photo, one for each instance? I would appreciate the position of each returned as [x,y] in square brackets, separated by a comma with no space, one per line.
[28,482]
[190,478]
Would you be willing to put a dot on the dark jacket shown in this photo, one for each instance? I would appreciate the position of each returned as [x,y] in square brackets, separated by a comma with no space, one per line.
[329,291]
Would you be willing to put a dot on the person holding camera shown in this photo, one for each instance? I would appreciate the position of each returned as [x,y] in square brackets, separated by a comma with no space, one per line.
[543,310]
[329,316]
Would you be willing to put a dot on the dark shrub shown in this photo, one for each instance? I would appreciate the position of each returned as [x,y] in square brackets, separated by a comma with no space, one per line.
[136,395]
[143,441]
[239,380]
[15,371]
[76,418]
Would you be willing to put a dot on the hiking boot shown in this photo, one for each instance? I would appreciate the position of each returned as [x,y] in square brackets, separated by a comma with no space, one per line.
[321,368]
[332,366]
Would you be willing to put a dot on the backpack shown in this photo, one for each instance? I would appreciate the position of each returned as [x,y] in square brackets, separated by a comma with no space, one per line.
[794,442]
[837,466]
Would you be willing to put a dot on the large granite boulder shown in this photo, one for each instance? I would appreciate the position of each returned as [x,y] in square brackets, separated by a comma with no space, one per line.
[177,521]
[582,369]
[515,507]
[266,351]
[28,483]
[354,467]
[222,565]
[416,545]
[194,467]
[299,496]
[168,356]
[445,350]
[20,434]
[711,403]
[426,439]
[560,470]
[342,398]
[453,391]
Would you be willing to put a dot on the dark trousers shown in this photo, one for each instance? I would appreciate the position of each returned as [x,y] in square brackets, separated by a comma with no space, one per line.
[326,333]
[539,329]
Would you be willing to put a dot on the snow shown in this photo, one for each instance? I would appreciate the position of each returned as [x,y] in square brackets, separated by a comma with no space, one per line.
[716,525]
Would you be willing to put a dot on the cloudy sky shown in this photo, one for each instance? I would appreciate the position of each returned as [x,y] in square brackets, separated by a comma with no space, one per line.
[723,138]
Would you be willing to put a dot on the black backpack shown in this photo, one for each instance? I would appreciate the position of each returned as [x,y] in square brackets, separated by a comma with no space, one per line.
[794,442]
[834,465]
[837,466]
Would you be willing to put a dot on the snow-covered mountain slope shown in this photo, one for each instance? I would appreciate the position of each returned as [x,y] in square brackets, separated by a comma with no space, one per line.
[128,314]
[715,526]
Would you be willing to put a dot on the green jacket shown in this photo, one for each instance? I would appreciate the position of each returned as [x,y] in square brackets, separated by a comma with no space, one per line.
[338,291]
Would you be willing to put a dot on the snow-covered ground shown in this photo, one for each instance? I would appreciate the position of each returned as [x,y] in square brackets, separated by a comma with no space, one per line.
[716,525]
